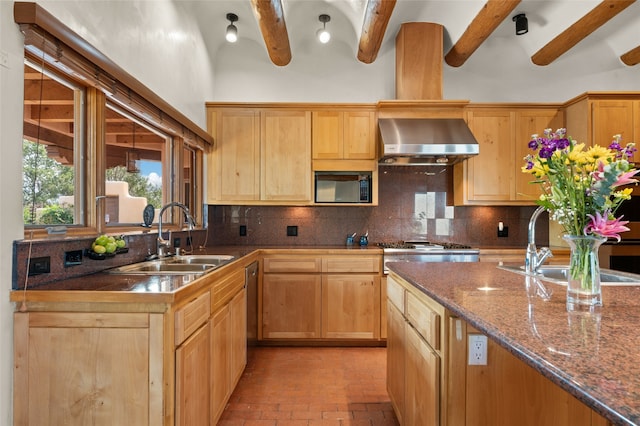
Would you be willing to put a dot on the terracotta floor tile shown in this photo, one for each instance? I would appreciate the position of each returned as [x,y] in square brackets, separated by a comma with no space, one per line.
[292,386]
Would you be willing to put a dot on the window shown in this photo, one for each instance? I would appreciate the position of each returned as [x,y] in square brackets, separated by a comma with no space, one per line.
[52,148]
[94,135]
[136,159]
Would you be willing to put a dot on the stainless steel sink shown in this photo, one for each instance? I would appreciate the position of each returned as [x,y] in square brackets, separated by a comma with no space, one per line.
[558,274]
[180,265]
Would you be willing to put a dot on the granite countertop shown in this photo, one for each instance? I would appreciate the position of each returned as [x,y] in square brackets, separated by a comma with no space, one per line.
[594,357]
[162,288]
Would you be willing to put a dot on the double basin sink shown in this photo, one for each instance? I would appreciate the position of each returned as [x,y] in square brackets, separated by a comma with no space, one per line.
[199,264]
[558,274]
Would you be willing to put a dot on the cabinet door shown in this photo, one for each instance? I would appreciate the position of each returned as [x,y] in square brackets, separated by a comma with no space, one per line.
[286,156]
[88,369]
[359,135]
[350,306]
[220,362]
[234,174]
[396,348]
[613,117]
[422,382]
[238,314]
[527,124]
[193,378]
[328,131]
[291,306]
[489,176]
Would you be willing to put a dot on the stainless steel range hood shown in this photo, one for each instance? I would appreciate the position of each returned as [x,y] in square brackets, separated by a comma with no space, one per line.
[426,141]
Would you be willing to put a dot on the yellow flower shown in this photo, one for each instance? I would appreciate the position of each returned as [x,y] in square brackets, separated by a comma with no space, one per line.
[598,153]
[623,194]
[577,154]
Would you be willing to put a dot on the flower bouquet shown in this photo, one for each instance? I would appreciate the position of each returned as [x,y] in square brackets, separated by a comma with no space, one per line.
[582,189]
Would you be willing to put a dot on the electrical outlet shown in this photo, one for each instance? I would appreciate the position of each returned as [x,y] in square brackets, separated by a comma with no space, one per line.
[177,242]
[292,231]
[477,349]
[504,232]
[39,265]
[243,230]
[72,258]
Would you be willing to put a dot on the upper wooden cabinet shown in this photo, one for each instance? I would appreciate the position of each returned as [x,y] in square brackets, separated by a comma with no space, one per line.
[344,135]
[594,118]
[260,156]
[495,177]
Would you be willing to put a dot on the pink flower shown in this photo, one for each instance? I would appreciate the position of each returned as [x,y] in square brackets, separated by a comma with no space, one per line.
[625,179]
[605,227]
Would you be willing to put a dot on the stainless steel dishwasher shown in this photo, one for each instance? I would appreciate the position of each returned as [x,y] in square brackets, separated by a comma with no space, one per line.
[251,281]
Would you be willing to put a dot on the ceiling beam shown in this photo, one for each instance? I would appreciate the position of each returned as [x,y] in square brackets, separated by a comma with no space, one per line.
[632,57]
[374,25]
[486,21]
[590,22]
[270,16]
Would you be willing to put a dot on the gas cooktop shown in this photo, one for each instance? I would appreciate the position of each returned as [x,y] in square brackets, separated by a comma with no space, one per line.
[422,245]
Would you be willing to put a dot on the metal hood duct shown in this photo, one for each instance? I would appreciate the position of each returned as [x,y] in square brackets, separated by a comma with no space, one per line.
[426,141]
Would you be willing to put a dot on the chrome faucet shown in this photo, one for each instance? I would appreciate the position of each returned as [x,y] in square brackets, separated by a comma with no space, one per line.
[163,245]
[535,258]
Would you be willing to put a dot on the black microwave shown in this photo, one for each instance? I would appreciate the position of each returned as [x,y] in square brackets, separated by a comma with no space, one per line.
[343,187]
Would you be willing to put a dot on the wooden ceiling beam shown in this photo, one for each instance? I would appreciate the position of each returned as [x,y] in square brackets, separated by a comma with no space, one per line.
[270,16]
[374,25]
[486,21]
[590,22]
[632,57]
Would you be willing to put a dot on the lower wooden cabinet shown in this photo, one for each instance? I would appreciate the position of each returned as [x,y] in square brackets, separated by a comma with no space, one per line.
[422,381]
[193,376]
[320,297]
[79,368]
[396,350]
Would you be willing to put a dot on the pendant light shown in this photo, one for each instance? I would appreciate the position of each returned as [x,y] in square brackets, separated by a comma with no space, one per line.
[132,155]
[323,35]
[232,31]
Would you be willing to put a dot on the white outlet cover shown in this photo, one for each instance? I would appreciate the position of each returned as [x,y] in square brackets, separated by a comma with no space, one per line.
[477,349]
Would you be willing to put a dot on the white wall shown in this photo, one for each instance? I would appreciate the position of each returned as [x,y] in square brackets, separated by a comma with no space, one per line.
[163,47]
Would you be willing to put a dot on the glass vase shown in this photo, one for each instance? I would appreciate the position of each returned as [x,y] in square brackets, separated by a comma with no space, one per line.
[583,277]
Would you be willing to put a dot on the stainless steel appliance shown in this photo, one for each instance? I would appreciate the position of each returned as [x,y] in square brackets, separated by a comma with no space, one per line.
[251,282]
[342,187]
[426,251]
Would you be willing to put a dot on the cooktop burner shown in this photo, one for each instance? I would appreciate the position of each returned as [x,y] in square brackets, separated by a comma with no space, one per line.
[421,245]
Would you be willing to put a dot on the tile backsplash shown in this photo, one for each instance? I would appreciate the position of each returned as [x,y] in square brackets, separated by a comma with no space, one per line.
[415,203]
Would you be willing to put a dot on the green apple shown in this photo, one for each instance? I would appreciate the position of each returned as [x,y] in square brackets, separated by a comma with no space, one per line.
[111,247]
[99,249]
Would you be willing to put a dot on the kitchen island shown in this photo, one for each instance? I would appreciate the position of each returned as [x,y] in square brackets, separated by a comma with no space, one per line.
[594,358]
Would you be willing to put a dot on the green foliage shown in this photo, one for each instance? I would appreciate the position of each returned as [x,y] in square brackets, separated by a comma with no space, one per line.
[44,180]
[56,215]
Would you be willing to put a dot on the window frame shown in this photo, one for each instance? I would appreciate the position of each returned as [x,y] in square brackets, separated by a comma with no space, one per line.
[72,56]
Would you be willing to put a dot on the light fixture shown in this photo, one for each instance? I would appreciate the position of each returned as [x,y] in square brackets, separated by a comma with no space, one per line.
[232,31]
[323,35]
[522,24]
[132,156]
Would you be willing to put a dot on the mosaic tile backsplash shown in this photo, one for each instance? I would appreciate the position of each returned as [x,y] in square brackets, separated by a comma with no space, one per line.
[415,203]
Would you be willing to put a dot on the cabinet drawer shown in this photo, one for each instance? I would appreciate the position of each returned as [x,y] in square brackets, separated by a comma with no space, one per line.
[424,319]
[225,288]
[349,263]
[292,264]
[395,294]
[192,316]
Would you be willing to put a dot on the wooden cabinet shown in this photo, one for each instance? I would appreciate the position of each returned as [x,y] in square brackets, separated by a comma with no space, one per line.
[193,376]
[344,135]
[320,297]
[506,391]
[260,155]
[416,355]
[594,118]
[79,368]
[285,159]
[495,177]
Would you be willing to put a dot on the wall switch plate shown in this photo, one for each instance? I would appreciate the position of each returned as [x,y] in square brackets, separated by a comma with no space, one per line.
[292,231]
[477,349]
[72,258]
[243,230]
[177,242]
[39,265]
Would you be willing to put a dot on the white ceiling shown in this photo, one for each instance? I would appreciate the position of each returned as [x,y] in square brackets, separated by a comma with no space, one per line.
[546,20]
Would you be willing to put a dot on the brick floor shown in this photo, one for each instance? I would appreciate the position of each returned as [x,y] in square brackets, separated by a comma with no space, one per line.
[290,386]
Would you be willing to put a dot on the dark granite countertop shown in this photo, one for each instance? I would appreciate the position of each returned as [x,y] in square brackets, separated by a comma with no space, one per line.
[595,358]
